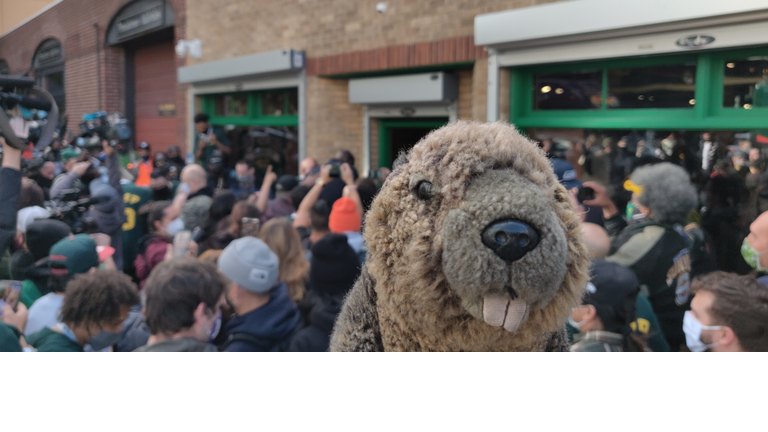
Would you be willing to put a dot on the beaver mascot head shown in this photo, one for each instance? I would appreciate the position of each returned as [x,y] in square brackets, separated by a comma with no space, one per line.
[473,246]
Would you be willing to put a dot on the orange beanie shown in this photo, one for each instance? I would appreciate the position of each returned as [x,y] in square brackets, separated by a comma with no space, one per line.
[344,216]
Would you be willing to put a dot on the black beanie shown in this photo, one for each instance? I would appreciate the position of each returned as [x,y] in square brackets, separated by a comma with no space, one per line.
[43,234]
[334,267]
[613,291]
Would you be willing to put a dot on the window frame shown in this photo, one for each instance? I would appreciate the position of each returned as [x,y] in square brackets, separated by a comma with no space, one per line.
[254,117]
[708,112]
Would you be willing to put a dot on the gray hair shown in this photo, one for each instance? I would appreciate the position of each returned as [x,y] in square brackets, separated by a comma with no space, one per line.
[667,192]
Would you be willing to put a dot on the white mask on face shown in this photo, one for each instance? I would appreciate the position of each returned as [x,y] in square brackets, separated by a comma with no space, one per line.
[175,226]
[692,329]
[575,324]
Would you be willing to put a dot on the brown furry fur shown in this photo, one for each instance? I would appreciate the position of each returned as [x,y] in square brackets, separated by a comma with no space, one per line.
[427,270]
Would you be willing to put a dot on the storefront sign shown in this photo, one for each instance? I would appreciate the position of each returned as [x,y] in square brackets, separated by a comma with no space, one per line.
[166,110]
[148,17]
[695,41]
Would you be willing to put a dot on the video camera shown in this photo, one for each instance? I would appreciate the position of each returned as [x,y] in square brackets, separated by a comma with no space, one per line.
[97,127]
[71,210]
[27,113]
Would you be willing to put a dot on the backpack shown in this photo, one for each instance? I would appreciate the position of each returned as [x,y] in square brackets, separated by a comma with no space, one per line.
[701,249]
[263,344]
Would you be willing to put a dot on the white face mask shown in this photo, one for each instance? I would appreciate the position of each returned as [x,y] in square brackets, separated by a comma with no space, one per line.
[575,324]
[692,329]
[175,226]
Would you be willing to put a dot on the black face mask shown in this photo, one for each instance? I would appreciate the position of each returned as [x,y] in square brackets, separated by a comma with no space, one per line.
[43,182]
[162,194]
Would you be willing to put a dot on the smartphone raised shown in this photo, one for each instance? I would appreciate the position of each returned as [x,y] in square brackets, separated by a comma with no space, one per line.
[10,291]
[181,243]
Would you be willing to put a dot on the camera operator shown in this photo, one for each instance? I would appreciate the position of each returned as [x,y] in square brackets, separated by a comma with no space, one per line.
[10,186]
[108,215]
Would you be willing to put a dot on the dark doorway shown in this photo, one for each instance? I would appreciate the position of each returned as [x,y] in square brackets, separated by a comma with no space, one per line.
[399,135]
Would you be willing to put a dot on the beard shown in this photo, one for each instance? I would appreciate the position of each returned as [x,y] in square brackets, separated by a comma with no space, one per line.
[161,194]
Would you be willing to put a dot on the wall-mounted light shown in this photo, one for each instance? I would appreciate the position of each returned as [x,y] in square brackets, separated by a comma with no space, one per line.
[546,89]
[641,97]
[747,106]
[381,7]
[559,91]
[194,48]
[730,65]
[692,102]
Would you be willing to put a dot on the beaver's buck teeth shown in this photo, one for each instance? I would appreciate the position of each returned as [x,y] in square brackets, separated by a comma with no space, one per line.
[501,311]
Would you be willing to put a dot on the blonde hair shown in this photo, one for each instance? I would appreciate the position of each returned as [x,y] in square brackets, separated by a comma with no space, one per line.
[284,241]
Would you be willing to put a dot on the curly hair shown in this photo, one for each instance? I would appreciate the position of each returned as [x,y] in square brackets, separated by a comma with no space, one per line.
[284,241]
[98,297]
[667,191]
[741,303]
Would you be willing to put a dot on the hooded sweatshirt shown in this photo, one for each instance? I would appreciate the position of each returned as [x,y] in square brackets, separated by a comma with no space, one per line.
[109,217]
[271,324]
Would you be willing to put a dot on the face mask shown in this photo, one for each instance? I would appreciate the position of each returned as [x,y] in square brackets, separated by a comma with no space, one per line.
[174,227]
[216,327]
[692,329]
[104,339]
[575,324]
[751,256]
[244,179]
[145,158]
[161,194]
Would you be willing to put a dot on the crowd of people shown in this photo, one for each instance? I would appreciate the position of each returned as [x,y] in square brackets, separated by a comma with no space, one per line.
[166,255]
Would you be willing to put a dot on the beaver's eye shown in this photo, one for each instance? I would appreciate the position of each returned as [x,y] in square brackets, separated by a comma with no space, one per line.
[424,190]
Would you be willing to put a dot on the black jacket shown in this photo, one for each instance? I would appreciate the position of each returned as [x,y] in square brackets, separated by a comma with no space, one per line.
[659,256]
[316,337]
[10,188]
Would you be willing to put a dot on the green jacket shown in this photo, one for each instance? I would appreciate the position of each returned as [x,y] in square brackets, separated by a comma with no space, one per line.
[134,227]
[47,340]
[9,338]
[29,293]
[597,341]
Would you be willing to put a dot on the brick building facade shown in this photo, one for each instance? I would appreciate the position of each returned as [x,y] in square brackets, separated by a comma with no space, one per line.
[96,72]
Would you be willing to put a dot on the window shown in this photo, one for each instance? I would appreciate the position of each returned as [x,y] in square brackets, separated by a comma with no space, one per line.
[672,86]
[231,105]
[745,83]
[568,91]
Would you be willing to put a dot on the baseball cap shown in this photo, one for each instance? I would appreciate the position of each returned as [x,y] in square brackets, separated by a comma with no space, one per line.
[76,254]
[565,173]
[344,216]
[250,263]
[69,153]
[612,291]
[144,145]
[286,183]
[43,234]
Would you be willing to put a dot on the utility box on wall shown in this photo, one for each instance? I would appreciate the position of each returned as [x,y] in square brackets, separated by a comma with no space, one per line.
[436,87]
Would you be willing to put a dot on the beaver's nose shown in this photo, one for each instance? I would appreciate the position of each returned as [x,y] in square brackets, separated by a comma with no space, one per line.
[510,239]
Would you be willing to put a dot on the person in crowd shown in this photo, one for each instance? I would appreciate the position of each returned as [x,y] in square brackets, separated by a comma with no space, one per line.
[145,165]
[722,219]
[755,247]
[566,175]
[646,325]
[280,236]
[175,158]
[69,257]
[32,194]
[92,313]
[265,316]
[367,190]
[297,196]
[346,157]
[183,306]
[318,228]
[21,261]
[41,236]
[651,241]
[161,185]
[44,177]
[281,206]
[244,183]
[198,204]
[208,139]
[135,226]
[345,219]
[309,172]
[218,175]
[604,315]
[333,272]
[331,181]
[219,213]
[163,222]
[236,228]
[729,313]
[12,324]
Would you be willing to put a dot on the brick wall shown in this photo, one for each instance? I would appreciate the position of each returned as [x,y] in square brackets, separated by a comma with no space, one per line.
[332,122]
[71,23]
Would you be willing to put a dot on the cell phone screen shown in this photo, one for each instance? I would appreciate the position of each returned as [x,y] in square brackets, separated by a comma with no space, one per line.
[250,227]
[181,243]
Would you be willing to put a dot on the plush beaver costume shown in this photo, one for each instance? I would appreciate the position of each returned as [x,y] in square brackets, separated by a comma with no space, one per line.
[473,246]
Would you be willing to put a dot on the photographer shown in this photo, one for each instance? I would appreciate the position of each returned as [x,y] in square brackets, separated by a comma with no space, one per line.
[209,139]
[110,214]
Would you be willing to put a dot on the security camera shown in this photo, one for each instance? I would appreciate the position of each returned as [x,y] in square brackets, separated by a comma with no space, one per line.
[381,7]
